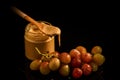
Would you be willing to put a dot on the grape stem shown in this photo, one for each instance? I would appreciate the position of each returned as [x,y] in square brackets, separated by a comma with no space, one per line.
[45,55]
[39,51]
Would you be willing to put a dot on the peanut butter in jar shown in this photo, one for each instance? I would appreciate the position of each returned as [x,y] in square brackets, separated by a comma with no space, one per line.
[34,38]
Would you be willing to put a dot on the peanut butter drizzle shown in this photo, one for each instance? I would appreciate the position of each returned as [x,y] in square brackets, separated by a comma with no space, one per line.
[52,31]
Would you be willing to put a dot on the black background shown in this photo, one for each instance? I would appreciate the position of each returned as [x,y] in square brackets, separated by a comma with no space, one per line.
[81,24]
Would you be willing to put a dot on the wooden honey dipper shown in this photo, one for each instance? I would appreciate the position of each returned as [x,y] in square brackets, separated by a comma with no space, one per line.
[49,31]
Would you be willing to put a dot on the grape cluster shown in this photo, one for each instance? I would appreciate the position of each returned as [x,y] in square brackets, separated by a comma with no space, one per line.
[46,63]
[76,62]
[84,62]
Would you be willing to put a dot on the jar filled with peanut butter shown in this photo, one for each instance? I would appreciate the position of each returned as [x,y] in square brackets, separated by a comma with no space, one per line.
[34,38]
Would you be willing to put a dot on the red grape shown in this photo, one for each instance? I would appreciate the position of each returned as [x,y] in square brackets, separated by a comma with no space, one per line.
[74,53]
[81,49]
[86,58]
[77,73]
[75,62]
[65,58]
[87,69]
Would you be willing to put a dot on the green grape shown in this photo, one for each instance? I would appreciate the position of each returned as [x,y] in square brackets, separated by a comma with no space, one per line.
[44,68]
[96,49]
[54,64]
[35,64]
[99,59]
[94,66]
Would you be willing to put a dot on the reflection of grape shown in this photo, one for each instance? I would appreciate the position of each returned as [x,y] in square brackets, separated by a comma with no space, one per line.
[96,49]
[99,59]
[94,66]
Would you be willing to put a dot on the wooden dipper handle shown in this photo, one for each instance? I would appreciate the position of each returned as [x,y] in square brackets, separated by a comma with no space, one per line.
[28,18]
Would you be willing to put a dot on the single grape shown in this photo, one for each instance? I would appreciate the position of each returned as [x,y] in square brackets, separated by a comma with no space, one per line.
[35,64]
[76,62]
[87,69]
[81,49]
[54,64]
[64,70]
[74,53]
[94,66]
[86,57]
[99,59]
[96,50]
[65,58]
[44,68]
[77,73]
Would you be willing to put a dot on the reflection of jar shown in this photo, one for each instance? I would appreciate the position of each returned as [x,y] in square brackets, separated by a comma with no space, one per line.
[34,38]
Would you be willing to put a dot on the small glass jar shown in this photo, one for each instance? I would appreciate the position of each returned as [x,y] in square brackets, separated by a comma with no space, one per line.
[34,38]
